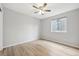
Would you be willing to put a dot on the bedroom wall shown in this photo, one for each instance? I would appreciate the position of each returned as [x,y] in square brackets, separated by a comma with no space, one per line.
[71,37]
[19,28]
[1,29]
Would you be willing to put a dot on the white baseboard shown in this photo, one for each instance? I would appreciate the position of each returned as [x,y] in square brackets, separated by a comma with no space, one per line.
[17,43]
[65,43]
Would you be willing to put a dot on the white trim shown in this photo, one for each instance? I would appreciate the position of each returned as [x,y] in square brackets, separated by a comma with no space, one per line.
[18,43]
[62,42]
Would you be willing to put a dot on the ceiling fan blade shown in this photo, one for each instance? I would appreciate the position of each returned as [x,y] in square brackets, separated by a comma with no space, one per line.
[45,4]
[35,7]
[48,10]
[0,9]
[36,12]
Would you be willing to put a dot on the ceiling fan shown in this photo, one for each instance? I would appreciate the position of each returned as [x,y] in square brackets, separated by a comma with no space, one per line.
[41,9]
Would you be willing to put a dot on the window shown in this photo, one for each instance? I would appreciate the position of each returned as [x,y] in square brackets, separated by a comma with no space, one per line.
[59,25]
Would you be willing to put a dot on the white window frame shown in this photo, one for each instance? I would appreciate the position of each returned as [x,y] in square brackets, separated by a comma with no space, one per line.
[62,19]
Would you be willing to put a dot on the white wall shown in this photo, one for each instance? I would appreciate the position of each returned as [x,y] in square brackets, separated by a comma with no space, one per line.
[69,38]
[1,29]
[19,28]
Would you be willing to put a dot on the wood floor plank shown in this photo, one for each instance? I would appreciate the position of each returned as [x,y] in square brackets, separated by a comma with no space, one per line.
[39,48]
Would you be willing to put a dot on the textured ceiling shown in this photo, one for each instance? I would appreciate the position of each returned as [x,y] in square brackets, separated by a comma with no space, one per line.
[27,8]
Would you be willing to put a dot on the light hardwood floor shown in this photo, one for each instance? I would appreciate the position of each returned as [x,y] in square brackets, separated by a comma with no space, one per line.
[40,48]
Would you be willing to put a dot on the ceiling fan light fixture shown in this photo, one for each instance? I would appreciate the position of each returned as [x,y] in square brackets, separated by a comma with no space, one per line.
[41,12]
